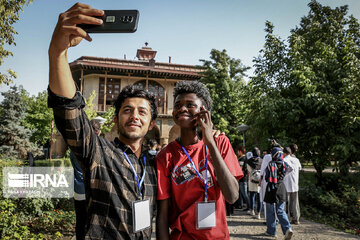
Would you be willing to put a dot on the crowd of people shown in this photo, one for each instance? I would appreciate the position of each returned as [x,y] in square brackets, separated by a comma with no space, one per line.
[270,182]
[187,186]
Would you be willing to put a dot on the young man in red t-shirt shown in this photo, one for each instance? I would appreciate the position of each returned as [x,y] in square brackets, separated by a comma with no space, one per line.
[196,172]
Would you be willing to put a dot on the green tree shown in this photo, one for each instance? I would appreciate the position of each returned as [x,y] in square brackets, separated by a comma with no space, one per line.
[92,113]
[38,117]
[224,77]
[90,106]
[264,91]
[306,91]
[109,124]
[9,14]
[14,137]
[325,82]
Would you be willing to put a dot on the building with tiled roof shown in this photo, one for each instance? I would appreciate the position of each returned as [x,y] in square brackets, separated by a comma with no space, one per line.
[107,76]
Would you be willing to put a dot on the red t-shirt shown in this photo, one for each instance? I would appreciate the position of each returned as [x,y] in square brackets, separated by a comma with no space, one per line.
[178,181]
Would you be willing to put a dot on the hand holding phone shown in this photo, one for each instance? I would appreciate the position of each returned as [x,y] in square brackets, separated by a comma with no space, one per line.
[204,125]
[114,21]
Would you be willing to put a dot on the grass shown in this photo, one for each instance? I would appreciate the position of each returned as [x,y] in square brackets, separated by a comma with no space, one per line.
[65,162]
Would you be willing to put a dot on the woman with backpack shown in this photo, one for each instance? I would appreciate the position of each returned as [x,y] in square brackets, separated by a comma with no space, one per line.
[254,164]
[275,194]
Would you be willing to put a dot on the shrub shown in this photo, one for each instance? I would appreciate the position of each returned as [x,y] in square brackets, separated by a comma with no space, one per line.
[336,203]
[11,224]
[34,218]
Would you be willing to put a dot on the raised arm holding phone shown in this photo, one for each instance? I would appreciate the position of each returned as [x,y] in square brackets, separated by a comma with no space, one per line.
[120,176]
[67,34]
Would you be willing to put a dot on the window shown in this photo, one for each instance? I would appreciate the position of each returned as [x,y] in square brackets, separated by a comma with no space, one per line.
[157,90]
[112,91]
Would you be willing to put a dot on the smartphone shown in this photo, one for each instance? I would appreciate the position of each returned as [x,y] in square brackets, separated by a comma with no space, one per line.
[114,21]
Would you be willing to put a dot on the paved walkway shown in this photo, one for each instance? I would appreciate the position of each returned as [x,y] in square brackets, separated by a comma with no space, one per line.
[243,226]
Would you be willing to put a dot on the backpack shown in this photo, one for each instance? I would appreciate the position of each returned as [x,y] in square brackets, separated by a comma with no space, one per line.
[270,193]
[255,176]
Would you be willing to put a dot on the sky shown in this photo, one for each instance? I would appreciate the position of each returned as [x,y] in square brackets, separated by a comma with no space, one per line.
[186,30]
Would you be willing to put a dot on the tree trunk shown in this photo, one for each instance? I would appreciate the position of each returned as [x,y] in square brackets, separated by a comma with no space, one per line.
[318,175]
[344,167]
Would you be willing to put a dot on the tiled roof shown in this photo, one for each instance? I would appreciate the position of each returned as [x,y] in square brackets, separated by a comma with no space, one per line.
[137,66]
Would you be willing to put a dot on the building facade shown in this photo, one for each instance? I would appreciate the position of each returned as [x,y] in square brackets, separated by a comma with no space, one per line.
[107,76]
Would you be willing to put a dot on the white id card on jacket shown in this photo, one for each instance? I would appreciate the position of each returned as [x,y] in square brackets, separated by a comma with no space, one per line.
[205,215]
[141,215]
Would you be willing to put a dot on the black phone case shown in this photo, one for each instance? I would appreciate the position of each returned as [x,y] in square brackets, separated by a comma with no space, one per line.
[115,21]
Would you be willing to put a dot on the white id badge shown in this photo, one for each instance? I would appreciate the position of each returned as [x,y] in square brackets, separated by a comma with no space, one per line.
[141,215]
[205,215]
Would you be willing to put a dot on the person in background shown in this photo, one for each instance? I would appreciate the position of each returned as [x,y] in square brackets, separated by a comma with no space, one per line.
[264,164]
[243,182]
[291,182]
[254,165]
[153,146]
[30,158]
[276,194]
[158,148]
[264,153]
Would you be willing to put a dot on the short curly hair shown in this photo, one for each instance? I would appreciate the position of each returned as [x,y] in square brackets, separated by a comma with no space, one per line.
[131,91]
[183,87]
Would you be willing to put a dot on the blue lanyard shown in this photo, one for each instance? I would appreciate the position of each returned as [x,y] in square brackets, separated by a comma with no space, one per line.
[197,172]
[136,177]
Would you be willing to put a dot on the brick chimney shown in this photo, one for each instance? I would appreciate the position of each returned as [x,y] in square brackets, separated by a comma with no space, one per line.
[146,53]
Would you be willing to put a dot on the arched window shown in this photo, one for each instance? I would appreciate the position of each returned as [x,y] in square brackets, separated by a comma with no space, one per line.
[156,89]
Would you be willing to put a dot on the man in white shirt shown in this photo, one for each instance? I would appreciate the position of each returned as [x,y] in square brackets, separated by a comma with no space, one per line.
[291,182]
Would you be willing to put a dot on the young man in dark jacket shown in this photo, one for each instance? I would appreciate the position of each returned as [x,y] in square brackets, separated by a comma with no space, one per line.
[120,176]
